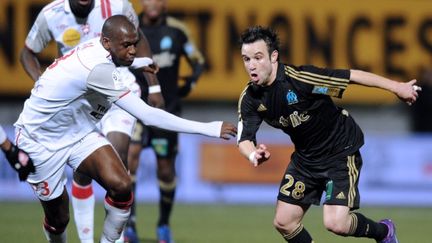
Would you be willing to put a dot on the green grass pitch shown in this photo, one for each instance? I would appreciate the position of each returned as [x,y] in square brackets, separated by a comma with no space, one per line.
[214,223]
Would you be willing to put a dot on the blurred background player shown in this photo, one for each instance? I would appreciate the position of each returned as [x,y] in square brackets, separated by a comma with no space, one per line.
[17,158]
[69,23]
[169,40]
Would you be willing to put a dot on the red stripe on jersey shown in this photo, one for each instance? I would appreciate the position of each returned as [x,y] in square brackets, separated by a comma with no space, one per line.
[108,8]
[81,192]
[127,92]
[104,15]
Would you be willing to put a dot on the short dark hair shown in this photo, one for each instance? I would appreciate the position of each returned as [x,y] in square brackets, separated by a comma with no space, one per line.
[115,25]
[256,33]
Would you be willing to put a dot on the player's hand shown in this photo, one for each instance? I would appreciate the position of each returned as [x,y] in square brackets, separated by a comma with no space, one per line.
[20,161]
[260,155]
[408,92]
[228,130]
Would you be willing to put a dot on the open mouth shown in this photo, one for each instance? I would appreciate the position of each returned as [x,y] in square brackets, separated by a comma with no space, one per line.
[254,76]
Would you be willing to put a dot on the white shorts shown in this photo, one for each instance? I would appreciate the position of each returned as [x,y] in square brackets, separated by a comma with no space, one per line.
[117,120]
[49,179]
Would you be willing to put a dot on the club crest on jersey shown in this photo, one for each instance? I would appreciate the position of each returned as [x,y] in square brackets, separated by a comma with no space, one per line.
[291,97]
[166,43]
[118,83]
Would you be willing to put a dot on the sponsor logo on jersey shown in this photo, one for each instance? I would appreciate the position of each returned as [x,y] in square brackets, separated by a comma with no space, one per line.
[71,37]
[164,59]
[331,91]
[345,112]
[85,28]
[295,119]
[291,97]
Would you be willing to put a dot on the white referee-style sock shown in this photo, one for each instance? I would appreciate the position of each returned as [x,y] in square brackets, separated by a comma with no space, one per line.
[121,239]
[83,203]
[117,214]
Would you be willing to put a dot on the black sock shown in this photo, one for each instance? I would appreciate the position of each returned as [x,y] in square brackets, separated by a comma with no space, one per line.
[364,227]
[166,202]
[300,235]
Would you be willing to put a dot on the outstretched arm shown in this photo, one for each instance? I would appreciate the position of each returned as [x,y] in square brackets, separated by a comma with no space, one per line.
[159,118]
[407,92]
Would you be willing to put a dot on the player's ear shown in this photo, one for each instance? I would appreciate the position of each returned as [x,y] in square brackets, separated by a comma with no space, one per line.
[274,56]
[105,42]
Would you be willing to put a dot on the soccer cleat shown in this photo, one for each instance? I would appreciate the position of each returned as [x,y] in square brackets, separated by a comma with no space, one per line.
[164,234]
[130,235]
[391,235]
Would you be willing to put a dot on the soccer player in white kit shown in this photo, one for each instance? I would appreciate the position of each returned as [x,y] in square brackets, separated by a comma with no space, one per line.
[57,126]
[68,23]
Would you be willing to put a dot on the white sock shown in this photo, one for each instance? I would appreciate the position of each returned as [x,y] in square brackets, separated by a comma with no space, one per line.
[121,239]
[83,202]
[117,214]
[55,238]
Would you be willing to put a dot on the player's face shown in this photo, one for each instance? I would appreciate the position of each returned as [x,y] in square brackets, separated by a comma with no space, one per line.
[81,8]
[123,47]
[153,9]
[258,62]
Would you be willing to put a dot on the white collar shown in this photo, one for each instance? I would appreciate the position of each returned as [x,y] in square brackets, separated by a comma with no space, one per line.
[67,7]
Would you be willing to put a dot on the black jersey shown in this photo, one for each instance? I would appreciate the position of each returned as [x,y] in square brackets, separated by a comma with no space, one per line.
[168,42]
[298,102]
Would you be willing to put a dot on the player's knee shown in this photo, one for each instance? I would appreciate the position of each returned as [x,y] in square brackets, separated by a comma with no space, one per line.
[166,175]
[166,171]
[283,225]
[81,179]
[336,226]
[122,187]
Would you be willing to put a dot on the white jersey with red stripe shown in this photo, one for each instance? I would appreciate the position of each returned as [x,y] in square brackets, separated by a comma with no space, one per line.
[56,21]
[71,96]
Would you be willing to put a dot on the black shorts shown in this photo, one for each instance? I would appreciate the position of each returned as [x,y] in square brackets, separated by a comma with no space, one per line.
[164,143]
[304,185]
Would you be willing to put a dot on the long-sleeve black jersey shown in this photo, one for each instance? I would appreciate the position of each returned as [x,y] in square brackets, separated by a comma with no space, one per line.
[298,102]
[168,42]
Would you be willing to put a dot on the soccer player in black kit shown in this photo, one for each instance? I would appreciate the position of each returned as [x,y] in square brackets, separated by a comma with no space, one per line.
[169,40]
[297,100]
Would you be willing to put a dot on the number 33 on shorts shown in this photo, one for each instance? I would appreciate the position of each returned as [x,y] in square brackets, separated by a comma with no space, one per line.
[41,189]
[295,190]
